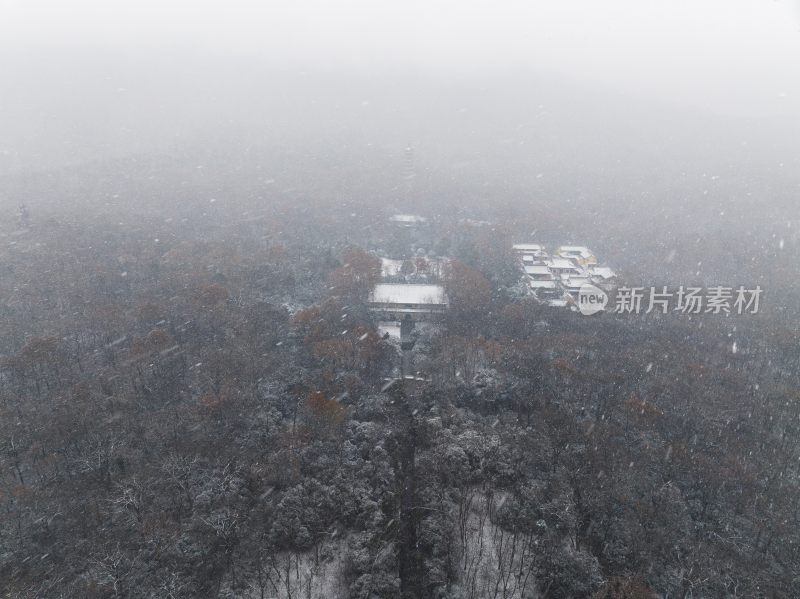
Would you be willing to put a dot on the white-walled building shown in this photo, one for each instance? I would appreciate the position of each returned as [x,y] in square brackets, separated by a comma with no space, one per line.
[563,267]
[529,251]
[581,254]
[556,280]
[392,301]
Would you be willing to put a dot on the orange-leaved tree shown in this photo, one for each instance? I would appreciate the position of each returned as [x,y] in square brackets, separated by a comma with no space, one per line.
[324,418]
[468,290]
[359,272]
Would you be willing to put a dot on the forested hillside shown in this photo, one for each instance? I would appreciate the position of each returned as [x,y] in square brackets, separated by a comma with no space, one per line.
[186,413]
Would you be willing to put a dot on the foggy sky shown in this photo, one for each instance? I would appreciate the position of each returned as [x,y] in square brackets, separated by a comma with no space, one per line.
[726,55]
[88,78]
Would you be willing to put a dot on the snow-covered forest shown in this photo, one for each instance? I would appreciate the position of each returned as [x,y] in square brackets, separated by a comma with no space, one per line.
[207,414]
[289,300]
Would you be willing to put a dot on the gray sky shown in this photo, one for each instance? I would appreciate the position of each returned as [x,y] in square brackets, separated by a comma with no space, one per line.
[732,56]
[85,80]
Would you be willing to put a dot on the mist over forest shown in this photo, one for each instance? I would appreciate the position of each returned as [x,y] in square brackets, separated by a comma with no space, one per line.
[292,300]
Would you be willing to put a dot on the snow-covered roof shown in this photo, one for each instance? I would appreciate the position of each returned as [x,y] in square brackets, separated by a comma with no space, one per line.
[603,272]
[580,250]
[397,293]
[537,269]
[407,218]
[528,247]
[561,263]
[577,282]
[543,284]
[557,303]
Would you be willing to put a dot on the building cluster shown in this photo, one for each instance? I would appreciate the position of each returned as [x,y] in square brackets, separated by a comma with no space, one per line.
[411,292]
[555,278]
[418,269]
